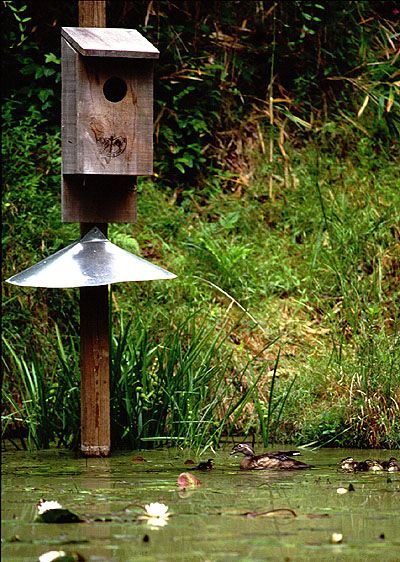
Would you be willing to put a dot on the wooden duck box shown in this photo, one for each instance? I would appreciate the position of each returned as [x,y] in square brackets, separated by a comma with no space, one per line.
[107,119]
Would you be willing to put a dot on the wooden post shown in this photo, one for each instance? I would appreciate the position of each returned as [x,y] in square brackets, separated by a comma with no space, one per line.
[94,323]
[92,13]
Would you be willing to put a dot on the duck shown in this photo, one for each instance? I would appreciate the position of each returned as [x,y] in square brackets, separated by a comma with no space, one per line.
[363,466]
[277,460]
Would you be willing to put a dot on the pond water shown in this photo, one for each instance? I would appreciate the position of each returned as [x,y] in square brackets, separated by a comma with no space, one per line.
[209,522]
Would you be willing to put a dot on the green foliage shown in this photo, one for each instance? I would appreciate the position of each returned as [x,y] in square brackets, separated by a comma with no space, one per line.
[42,402]
[31,221]
[225,258]
[172,387]
[21,19]
[222,63]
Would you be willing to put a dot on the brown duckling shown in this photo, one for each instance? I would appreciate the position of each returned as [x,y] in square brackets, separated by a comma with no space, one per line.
[393,465]
[348,464]
[205,465]
[373,466]
[278,460]
[362,466]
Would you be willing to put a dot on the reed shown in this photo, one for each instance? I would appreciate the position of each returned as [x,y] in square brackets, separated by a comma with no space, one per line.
[179,383]
[174,387]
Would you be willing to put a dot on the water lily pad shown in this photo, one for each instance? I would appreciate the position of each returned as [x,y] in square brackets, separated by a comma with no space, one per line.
[58,515]
[271,513]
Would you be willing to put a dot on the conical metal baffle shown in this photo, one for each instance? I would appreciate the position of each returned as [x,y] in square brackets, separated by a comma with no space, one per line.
[89,262]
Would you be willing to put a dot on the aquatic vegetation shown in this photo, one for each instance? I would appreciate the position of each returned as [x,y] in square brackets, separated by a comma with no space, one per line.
[173,387]
[53,512]
[234,510]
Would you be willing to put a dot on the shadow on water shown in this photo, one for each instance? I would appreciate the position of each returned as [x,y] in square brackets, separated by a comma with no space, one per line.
[222,520]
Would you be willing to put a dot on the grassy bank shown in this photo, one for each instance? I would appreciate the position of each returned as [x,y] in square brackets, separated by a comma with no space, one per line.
[316,268]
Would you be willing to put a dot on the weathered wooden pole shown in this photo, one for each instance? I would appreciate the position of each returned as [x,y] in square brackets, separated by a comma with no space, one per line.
[94,323]
[92,13]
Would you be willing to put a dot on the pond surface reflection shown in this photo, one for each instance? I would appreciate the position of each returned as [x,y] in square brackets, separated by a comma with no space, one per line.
[218,521]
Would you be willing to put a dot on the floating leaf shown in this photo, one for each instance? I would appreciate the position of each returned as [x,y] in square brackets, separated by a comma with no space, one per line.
[59,515]
[53,512]
[271,513]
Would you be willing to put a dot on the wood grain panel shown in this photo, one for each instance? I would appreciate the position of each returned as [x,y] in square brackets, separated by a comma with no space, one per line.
[98,199]
[92,13]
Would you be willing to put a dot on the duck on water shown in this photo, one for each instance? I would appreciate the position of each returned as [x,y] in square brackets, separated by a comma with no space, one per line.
[273,461]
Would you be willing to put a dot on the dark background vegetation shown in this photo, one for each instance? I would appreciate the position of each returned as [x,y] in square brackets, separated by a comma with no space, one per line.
[275,198]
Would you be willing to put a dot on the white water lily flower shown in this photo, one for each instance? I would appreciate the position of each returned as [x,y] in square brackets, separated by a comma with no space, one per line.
[47,505]
[52,554]
[157,510]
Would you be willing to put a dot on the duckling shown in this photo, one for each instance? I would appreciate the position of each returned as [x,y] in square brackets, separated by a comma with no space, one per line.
[348,464]
[279,460]
[205,465]
[393,465]
[373,466]
[362,466]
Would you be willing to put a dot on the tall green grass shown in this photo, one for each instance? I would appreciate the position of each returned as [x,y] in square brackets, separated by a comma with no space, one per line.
[176,387]
[182,383]
[42,401]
